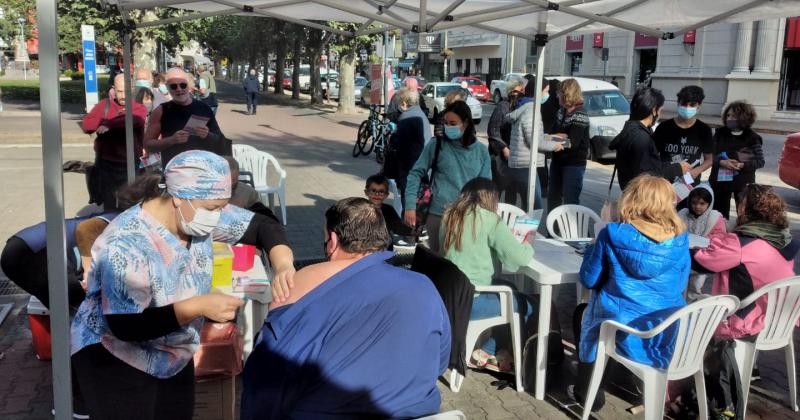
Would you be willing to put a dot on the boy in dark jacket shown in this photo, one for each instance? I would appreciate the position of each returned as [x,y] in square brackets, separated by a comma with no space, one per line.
[377,189]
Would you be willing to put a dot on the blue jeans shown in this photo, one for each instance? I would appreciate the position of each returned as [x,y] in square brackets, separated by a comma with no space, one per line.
[487,305]
[566,184]
[520,177]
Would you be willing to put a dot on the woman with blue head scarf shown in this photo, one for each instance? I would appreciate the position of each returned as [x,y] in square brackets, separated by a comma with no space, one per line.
[134,337]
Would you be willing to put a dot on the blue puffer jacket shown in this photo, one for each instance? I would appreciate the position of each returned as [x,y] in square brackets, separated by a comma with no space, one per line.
[638,282]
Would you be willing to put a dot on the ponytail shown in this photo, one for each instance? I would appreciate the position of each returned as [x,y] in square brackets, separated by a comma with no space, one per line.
[145,188]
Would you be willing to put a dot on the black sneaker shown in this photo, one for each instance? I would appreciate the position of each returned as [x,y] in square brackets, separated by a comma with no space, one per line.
[599,400]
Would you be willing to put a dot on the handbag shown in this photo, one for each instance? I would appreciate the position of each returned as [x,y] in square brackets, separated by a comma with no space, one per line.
[425,192]
[221,349]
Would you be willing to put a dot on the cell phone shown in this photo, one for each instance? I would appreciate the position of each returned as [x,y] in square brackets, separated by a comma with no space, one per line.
[696,163]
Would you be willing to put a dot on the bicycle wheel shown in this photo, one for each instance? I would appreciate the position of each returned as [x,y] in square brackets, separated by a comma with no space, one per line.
[369,140]
[361,139]
[380,147]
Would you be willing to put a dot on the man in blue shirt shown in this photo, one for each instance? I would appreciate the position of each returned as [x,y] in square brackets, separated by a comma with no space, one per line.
[357,338]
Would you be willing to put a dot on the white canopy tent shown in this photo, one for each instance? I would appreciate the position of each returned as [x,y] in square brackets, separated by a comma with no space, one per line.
[534,20]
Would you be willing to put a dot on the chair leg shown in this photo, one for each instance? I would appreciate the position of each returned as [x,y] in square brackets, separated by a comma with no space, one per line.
[516,344]
[791,374]
[594,383]
[282,197]
[655,394]
[745,354]
[455,380]
[271,198]
[700,387]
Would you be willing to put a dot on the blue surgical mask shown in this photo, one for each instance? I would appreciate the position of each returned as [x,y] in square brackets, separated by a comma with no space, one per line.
[686,112]
[163,88]
[544,99]
[453,132]
[142,84]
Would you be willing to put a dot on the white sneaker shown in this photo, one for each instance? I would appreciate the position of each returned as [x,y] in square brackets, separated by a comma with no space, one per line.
[74,415]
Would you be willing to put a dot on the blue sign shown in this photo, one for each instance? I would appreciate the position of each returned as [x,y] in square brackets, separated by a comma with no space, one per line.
[89,66]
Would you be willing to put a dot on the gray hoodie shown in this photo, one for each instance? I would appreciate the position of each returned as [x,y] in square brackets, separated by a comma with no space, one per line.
[522,135]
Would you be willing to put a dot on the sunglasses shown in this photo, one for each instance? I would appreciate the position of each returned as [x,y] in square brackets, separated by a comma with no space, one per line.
[376,192]
[174,86]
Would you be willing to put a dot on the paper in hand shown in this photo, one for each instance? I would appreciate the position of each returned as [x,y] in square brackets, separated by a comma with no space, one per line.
[196,121]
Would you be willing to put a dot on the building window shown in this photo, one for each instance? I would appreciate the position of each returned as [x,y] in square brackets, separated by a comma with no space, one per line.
[458,65]
[467,70]
[495,69]
[478,66]
[575,60]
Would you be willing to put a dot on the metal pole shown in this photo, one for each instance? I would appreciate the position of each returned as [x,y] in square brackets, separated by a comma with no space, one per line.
[446,57]
[511,58]
[536,133]
[54,206]
[126,61]
[385,73]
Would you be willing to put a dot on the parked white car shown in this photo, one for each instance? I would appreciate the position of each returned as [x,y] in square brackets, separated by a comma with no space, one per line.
[360,82]
[498,87]
[434,93]
[608,110]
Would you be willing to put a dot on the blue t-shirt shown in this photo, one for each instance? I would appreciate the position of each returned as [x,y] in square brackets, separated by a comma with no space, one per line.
[370,341]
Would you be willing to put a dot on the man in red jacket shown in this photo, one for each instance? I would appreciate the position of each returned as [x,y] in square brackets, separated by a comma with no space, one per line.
[107,120]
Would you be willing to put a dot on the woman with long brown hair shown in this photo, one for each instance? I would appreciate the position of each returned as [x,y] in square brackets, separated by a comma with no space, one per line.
[638,269]
[472,237]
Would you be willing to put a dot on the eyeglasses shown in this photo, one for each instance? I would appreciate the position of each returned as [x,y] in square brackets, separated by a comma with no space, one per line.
[370,191]
[174,86]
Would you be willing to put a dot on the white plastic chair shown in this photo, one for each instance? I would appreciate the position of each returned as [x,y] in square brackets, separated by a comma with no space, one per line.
[447,415]
[696,325]
[574,222]
[258,162]
[509,214]
[242,149]
[476,327]
[780,317]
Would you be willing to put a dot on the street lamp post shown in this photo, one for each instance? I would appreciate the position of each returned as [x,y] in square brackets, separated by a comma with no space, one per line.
[23,48]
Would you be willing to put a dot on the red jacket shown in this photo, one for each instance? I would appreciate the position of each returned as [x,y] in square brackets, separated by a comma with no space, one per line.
[111,145]
[742,265]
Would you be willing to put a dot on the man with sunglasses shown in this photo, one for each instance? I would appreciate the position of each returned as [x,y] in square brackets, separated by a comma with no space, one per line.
[107,121]
[167,132]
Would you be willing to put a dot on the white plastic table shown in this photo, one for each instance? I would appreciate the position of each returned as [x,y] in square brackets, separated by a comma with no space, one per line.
[254,312]
[554,263]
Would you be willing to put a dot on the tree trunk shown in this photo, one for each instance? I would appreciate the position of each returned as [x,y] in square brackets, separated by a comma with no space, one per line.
[265,82]
[315,88]
[280,60]
[347,97]
[296,54]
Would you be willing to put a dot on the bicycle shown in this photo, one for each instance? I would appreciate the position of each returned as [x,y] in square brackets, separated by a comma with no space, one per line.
[373,134]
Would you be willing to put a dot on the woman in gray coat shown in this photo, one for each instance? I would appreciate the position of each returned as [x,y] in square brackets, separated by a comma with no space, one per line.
[519,160]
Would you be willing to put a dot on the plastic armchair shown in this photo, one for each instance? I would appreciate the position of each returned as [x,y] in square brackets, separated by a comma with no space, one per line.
[240,150]
[574,222]
[696,325]
[476,327]
[780,317]
[258,163]
[447,415]
[509,214]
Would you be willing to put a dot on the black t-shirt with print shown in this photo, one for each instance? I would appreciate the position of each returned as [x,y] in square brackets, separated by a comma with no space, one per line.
[676,144]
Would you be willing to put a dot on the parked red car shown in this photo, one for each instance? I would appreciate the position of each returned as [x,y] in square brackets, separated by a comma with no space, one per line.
[476,86]
[790,161]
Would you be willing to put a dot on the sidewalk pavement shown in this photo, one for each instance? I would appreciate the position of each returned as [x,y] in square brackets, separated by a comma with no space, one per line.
[313,145]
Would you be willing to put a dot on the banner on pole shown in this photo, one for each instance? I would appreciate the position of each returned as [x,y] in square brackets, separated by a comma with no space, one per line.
[89,68]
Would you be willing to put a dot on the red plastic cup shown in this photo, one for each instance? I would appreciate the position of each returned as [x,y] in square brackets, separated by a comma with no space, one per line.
[243,256]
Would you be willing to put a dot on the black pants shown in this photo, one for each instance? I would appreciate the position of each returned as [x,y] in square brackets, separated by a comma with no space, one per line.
[114,390]
[28,270]
[105,180]
[252,102]
[722,196]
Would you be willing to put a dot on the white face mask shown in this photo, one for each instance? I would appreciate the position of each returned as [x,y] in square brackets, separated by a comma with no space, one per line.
[202,224]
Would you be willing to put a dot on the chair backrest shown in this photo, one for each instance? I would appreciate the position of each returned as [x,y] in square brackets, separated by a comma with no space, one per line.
[780,317]
[696,325]
[242,149]
[509,214]
[573,222]
[257,163]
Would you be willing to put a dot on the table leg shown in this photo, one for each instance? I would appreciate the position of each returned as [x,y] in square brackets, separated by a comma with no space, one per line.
[545,297]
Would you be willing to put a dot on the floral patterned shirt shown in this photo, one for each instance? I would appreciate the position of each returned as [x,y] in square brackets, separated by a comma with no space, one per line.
[136,264]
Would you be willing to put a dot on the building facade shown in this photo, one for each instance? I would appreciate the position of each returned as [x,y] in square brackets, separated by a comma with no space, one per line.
[755,61]
[483,54]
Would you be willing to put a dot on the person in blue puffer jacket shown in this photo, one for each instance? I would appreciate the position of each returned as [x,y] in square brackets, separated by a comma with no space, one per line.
[638,270]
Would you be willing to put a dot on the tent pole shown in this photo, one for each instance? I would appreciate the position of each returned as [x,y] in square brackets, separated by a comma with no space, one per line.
[423,9]
[126,61]
[590,21]
[536,134]
[602,19]
[719,17]
[385,72]
[384,9]
[52,161]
